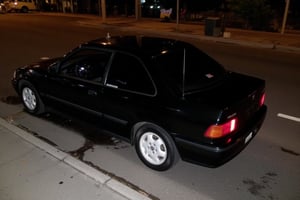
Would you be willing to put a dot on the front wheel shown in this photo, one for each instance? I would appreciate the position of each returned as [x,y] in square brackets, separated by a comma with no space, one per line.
[155,147]
[31,99]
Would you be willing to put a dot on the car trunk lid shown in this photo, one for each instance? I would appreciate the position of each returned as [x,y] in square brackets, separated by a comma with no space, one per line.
[237,96]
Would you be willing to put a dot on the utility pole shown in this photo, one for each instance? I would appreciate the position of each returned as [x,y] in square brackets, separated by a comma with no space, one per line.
[103,10]
[137,9]
[72,7]
[99,7]
[177,15]
[287,5]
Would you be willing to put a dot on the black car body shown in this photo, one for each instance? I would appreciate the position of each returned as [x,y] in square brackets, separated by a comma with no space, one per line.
[162,95]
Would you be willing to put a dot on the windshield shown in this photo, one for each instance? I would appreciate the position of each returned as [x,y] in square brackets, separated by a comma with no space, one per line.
[190,69]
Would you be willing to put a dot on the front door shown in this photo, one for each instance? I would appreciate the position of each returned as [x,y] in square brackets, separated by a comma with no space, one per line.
[78,83]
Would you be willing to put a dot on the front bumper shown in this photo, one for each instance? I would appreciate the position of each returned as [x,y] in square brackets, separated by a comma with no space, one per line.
[212,156]
[14,83]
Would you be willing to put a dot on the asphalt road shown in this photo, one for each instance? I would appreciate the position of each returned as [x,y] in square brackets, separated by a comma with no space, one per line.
[269,168]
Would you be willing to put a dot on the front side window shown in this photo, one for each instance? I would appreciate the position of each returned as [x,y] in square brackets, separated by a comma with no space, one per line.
[87,64]
[128,73]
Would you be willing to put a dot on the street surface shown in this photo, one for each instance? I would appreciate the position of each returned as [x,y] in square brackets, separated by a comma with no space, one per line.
[269,168]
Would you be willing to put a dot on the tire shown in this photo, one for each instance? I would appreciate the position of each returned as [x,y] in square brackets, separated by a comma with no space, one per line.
[24,9]
[31,99]
[155,147]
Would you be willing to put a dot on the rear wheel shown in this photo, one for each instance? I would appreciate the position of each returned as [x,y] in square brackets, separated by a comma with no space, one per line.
[31,99]
[155,147]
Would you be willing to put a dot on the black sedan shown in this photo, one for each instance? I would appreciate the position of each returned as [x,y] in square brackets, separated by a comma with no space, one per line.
[166,97]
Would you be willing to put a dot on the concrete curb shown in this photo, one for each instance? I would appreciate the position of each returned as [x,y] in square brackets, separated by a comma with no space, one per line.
[82,167]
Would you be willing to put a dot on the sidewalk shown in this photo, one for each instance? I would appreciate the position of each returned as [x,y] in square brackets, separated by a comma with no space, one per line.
[31,169]
[289,41]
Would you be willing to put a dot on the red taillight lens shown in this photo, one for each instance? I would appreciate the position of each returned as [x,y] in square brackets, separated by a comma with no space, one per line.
[262,99]
[217,131]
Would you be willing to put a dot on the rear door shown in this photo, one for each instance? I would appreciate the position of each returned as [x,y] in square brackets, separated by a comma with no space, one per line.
[128,93]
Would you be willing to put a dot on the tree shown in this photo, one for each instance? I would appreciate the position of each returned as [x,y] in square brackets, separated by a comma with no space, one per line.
[256,13]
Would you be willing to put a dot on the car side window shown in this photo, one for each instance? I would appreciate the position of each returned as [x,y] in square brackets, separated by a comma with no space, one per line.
[128,73]
[87,64]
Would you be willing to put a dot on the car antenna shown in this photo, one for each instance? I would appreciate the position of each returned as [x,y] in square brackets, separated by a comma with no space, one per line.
[183,73]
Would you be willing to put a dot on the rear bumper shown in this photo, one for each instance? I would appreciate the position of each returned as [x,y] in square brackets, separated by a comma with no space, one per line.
[212,156]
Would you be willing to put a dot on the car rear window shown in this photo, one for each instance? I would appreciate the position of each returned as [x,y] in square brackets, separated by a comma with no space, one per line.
[200,70]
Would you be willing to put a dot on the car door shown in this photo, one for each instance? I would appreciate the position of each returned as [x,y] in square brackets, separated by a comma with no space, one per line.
[128,92]
[79,81]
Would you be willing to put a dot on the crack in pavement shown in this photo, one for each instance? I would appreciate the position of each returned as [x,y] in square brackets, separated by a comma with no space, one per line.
[289,151]
[121,180]
[37,135]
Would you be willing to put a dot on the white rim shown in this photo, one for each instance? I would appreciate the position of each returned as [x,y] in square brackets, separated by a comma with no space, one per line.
[153,148]
[29,98]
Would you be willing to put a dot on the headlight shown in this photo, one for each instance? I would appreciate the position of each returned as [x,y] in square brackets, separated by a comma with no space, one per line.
[15,74]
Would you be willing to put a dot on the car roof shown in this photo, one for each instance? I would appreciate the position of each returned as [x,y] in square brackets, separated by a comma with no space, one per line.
[139,45]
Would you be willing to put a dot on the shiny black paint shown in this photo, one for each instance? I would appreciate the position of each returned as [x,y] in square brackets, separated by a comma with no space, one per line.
[185,118]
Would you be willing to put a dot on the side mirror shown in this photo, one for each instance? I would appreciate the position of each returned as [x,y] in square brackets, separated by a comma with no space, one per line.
[53,68]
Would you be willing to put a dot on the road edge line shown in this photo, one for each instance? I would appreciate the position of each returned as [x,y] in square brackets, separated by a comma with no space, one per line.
[289,117]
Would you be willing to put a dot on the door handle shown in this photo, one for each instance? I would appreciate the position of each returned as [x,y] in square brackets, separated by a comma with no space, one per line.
[92,93]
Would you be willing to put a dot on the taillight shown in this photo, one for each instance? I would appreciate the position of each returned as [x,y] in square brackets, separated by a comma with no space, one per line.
[221,130]
[262,99]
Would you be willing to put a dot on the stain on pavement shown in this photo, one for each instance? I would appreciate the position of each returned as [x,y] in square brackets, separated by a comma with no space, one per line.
[92,133]
[79,153]
[262,189]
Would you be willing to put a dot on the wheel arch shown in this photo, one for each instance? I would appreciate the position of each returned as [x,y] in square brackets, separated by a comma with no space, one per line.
[137,126]
[21,82]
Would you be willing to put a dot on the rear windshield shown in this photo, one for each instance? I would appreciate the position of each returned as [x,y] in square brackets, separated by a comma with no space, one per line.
[200,70]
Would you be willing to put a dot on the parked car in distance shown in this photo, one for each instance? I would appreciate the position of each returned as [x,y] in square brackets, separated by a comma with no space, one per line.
[23,6]
[2,7]
[166,97]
